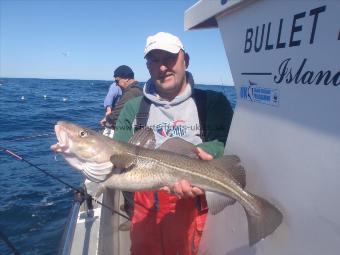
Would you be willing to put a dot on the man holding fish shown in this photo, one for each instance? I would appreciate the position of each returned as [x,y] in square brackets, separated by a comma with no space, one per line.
[176,183]
[165,223]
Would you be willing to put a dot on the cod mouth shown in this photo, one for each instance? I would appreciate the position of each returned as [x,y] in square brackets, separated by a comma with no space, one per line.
[63,141]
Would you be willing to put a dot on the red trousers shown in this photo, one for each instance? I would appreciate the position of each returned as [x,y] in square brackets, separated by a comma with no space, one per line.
[174,229]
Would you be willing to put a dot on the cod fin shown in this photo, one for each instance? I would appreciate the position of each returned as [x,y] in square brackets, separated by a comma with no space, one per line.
[216,202]
[97,172]
[230,164]
[145,138]
[227,163]
[179,146]
[100,191]
[125,161]
[262,225]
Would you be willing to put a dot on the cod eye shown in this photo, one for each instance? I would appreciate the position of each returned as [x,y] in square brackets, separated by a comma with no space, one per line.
[83,133]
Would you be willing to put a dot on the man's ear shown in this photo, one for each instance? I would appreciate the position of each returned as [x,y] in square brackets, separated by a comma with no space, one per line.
[147,65]
[186,59]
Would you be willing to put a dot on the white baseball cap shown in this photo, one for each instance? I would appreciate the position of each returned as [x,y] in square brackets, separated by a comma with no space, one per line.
[163,41]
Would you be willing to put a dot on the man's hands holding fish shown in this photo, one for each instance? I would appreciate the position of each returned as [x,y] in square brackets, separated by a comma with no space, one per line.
[183,189]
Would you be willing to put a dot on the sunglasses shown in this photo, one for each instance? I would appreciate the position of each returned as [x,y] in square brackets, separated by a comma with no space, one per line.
[168,59]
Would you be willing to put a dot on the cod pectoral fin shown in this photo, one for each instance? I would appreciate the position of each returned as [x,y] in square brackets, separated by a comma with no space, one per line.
[123,161]
[100,191]
[217,202]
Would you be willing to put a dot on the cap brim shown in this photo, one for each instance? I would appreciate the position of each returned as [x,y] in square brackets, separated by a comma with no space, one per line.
[169,48]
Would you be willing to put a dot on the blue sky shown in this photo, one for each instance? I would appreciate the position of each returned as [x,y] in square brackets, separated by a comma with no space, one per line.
[88,39]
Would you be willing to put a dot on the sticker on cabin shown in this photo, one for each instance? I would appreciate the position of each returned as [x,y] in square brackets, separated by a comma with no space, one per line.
[254,93]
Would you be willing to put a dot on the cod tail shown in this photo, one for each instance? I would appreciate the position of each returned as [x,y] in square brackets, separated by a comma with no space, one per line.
[263,224]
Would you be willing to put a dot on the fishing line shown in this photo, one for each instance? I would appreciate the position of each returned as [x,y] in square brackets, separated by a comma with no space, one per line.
[29,137]
[46,135]
[8,243]
[86,196]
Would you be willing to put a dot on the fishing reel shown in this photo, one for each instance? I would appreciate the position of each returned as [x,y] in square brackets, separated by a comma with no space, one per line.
[81,196]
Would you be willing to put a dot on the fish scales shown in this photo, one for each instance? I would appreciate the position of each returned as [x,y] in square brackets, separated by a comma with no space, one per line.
[174,167]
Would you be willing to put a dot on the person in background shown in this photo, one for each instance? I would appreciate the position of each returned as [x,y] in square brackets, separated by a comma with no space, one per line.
[170,221]
[112,97]
[124,77]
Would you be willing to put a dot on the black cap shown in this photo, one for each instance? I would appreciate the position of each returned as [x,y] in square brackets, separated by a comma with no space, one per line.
[124,72]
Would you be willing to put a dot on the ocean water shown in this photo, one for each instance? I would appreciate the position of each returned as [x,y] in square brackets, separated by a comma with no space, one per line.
[34,207]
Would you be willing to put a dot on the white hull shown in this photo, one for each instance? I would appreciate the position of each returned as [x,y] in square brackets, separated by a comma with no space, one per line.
[286,130]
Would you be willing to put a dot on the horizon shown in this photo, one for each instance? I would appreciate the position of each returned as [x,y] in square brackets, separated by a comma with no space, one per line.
[37,78]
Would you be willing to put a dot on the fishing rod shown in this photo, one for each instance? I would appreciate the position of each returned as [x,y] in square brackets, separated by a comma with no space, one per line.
[80,191]
[8,243]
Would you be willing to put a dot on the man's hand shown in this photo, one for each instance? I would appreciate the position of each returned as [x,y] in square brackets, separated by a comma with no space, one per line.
[202,154]
[183,189]
[107,112]
[102,122]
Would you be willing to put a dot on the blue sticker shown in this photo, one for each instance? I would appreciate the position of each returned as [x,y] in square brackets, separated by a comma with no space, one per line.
[262,95]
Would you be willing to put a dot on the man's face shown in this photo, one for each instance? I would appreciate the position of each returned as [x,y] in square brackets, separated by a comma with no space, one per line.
[167,71]
[121,82]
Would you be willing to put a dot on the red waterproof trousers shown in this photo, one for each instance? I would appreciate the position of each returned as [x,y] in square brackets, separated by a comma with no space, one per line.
[175,228]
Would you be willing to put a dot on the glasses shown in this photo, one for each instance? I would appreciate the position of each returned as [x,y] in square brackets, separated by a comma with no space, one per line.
[168,60]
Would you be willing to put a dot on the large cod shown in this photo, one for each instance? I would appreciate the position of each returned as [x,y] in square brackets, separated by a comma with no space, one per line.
[146,168]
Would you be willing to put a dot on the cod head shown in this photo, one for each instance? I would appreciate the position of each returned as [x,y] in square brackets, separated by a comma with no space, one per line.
[84,149]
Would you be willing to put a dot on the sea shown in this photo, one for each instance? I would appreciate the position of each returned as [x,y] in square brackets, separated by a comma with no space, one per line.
[34,207]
